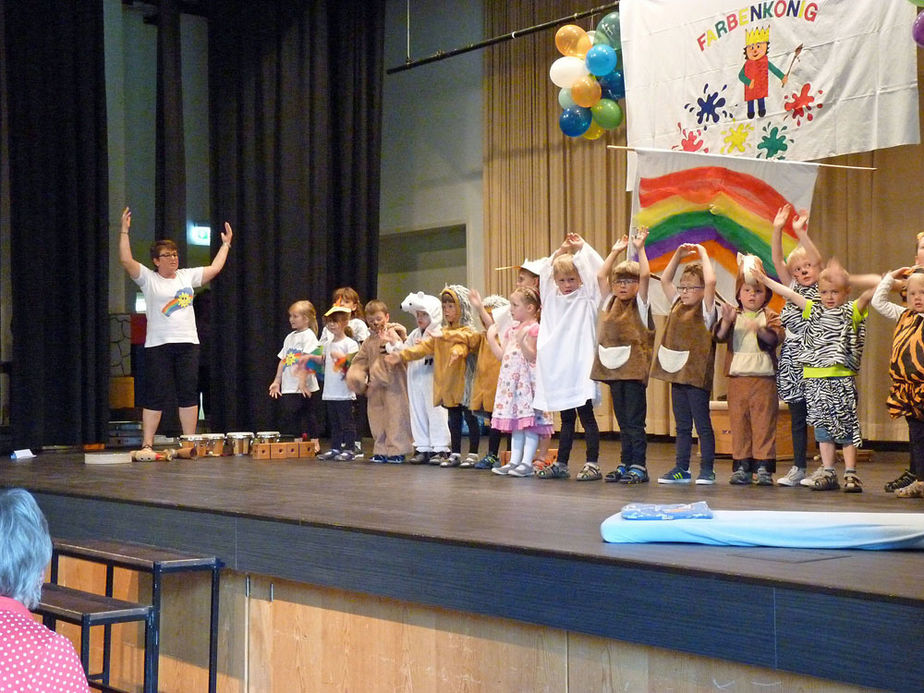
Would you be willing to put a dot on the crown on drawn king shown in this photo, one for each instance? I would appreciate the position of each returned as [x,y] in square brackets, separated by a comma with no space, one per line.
[758,35]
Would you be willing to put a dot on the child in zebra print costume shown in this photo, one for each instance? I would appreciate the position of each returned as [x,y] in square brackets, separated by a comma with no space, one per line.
[799,271]
[832,348]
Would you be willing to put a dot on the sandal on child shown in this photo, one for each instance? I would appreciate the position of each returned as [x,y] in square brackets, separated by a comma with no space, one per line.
[635,475]
[553,471]
[826,482]
[590,472]
[616,475]
[852,484]
[913,490]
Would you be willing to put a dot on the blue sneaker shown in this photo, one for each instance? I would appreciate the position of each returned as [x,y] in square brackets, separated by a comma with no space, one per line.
[675,476]
[395,459]
[379,459]
[487,462]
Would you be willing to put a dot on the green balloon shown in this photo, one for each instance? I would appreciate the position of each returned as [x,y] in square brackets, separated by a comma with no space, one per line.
[610,29]
[607,114]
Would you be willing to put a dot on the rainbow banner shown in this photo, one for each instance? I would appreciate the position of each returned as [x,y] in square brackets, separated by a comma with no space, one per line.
[725,203]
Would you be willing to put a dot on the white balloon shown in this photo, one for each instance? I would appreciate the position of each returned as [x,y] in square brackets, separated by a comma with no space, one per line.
[566,71]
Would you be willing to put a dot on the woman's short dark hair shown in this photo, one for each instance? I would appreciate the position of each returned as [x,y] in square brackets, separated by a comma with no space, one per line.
[157,247]
[25,547]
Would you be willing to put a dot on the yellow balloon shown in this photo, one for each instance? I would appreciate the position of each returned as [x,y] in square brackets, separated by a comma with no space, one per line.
[586,91]
[593,132]
[572,40]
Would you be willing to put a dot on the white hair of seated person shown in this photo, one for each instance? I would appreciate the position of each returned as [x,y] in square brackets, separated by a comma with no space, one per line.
[25,547]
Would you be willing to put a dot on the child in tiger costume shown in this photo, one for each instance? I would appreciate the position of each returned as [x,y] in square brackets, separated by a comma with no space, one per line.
[906,367]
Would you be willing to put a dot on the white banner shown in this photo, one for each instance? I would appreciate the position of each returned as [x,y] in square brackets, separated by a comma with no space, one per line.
[778,79]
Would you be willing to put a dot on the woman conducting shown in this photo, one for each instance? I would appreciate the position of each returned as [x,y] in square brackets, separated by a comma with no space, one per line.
[171,345]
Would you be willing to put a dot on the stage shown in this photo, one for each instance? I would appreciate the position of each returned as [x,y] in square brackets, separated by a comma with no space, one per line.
[524,549]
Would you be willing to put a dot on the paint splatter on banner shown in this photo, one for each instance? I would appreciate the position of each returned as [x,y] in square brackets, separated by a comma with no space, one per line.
[777,79]
[725,203]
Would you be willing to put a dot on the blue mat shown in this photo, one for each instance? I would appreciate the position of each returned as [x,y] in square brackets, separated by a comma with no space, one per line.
[788,529]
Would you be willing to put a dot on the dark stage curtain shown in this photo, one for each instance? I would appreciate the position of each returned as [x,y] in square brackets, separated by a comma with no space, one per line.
[170,174]
[295,101]
[58,216]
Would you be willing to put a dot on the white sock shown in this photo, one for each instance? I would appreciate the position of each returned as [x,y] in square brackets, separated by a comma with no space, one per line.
[517,439]
[530,447]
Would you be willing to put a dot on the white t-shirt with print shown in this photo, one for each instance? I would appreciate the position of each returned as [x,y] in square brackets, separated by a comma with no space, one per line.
[335,386]
[169,306]
[296,344]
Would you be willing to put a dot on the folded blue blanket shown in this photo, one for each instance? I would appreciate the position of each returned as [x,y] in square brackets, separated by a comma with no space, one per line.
[660,511]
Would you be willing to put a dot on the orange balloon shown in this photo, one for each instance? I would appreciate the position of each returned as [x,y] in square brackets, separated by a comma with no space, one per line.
[585,43]
[586,91]
[593,132]
[572,40]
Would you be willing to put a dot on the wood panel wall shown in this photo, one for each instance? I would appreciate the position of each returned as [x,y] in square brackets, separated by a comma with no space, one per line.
[289,637]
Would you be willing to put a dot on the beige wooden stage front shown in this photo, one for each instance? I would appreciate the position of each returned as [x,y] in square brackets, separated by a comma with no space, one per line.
[287,637]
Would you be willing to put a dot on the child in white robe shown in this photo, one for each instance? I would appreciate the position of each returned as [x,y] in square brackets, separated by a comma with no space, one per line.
[565,349]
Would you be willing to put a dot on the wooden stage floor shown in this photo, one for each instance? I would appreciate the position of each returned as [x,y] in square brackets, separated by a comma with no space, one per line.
[469,522]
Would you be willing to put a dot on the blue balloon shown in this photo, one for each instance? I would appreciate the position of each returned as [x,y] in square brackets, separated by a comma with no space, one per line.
[613,85]
[601,60]
[565,100]
[575,121]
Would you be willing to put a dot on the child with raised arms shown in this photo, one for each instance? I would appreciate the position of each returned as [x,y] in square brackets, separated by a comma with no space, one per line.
[686,360]
[832,347]
[906,368]
[798,271]
[565,350]
[625,341]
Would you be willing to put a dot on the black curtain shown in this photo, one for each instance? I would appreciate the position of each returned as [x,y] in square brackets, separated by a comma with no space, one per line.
[170,149]
[58,215]
[295,102]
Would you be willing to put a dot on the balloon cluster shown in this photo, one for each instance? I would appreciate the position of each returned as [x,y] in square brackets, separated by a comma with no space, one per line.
[590,77]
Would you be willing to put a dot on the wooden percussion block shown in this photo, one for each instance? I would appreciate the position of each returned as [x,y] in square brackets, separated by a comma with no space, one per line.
[306,448]
[283,451]
[261,451]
